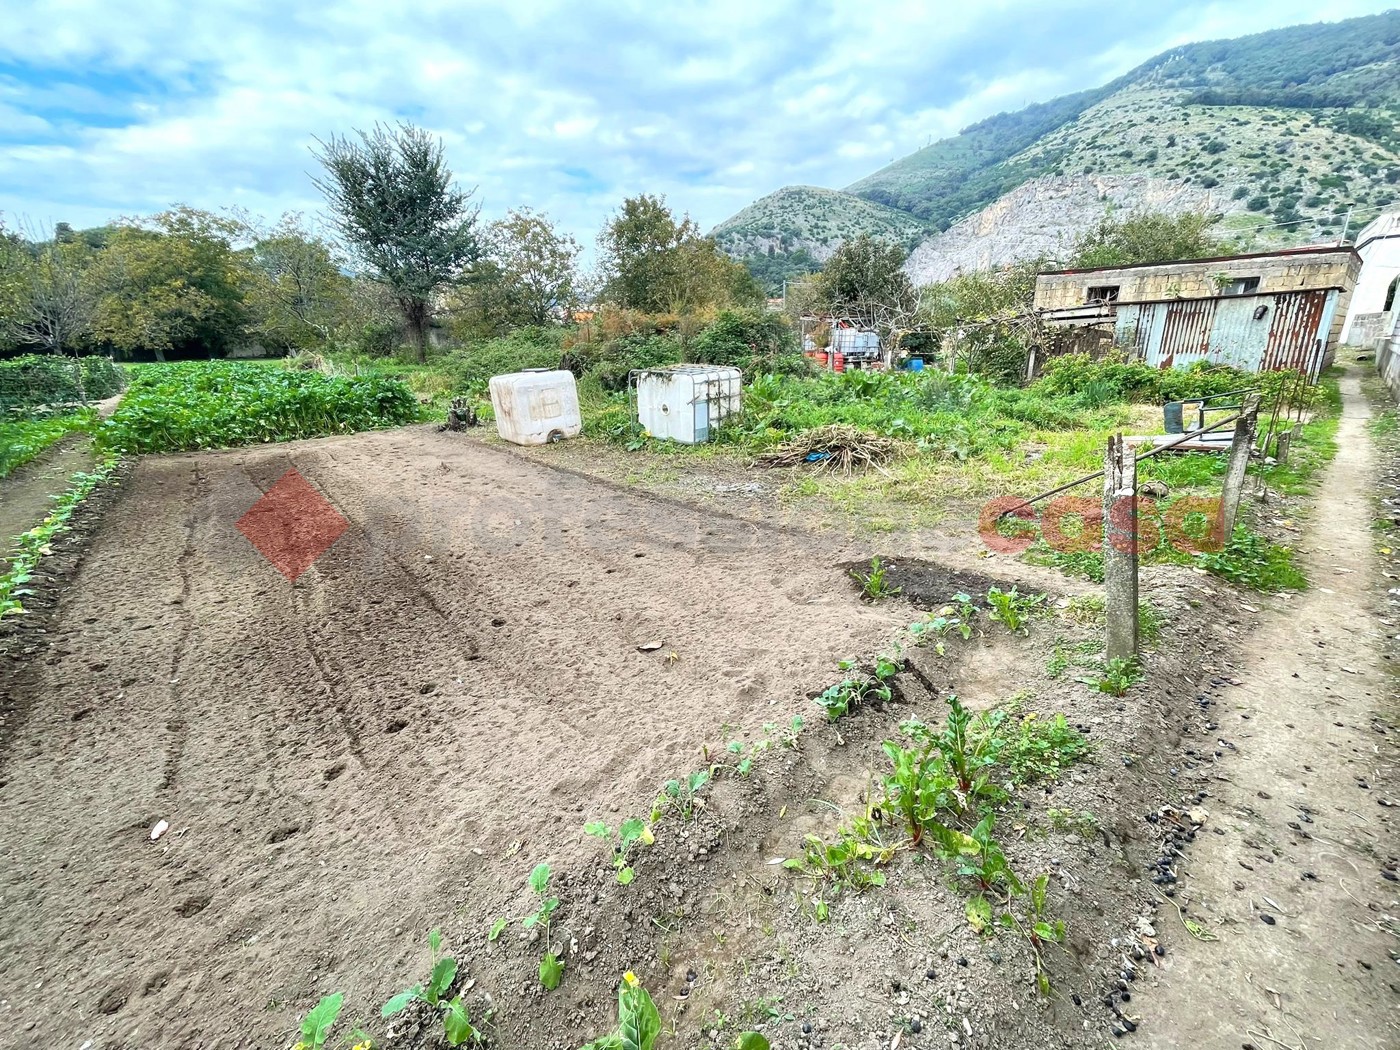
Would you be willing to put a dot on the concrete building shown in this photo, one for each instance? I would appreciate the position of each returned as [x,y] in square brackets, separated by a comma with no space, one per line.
[1259,312]
[1371,314]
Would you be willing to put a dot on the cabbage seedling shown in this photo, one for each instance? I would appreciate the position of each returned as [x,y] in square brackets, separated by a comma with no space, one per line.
[551,966]
[629,833]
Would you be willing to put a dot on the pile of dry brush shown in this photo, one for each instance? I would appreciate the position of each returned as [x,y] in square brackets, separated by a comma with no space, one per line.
[836,448]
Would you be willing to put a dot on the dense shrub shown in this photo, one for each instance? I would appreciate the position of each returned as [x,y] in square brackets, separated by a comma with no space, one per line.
[209,404]
[472,368]
[1117,378]
[756,341]
[48,379]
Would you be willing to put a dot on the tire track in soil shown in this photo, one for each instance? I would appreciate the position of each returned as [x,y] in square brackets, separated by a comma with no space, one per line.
[178,726]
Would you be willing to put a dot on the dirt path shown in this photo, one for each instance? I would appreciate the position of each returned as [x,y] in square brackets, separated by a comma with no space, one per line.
[439,703]
[1299,835]
[26,495]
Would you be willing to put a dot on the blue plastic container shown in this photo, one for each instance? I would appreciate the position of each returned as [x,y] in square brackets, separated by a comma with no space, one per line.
[915,364]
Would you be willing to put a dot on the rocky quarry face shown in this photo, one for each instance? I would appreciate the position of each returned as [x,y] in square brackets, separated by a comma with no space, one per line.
[1045,216]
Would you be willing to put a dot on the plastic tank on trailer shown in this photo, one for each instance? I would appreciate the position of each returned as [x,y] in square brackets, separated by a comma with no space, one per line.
[536,406]
[686,402]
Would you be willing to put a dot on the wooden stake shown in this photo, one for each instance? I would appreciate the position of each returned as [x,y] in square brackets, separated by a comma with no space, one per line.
[1120,549]
[1239,463]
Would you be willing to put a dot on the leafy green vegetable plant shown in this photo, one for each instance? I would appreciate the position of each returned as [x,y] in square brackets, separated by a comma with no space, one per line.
[978,855]
[1012,610]
[1117,678]
[456,1022]
[551,966]
[874,583]
[34,544]
[629,834]
[212,404]
[681,796]
[845,696]
[638,1019]
[319,1022]
[846,865]
[21,440]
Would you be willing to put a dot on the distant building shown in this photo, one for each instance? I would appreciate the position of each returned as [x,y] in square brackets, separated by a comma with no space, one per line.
[1258,312]
[1372,312]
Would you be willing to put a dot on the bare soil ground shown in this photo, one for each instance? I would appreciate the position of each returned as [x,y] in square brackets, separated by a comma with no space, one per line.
[391,743]
[441,702]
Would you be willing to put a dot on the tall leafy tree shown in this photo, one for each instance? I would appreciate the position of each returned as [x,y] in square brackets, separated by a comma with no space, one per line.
[1147,237]
[296,293]
[537,267]
[650,261]
[400,212]
[56,303]
[170,283]
[865,272]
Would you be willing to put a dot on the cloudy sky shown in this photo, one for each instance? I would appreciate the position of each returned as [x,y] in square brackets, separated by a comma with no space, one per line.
[113,108]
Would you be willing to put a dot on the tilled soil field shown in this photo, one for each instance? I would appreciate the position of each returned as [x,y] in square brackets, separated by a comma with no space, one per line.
[496,652]
[440,702]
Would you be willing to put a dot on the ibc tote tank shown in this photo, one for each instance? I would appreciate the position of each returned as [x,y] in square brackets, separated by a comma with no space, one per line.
[536,406]
[685,402]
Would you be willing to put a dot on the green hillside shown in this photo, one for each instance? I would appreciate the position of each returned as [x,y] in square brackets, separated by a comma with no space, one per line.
[792,232]
[1296,123]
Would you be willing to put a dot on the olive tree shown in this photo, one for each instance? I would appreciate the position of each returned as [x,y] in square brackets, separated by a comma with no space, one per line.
[400,213]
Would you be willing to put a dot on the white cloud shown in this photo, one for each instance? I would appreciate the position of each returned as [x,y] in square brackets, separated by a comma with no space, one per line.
[111,108]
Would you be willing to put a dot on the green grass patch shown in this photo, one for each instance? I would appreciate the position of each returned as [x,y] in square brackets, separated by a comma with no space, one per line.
[1251,560]
[31,546]
[1385,424]
[21,440]
[215,404]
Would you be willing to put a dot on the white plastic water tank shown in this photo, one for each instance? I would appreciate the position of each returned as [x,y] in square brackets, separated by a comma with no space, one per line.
[686,402]
[536,406]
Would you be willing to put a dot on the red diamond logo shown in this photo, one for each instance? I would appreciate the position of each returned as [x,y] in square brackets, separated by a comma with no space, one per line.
[292,525]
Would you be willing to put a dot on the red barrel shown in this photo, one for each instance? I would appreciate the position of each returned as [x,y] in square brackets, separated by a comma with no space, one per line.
[820,358]
[840,363]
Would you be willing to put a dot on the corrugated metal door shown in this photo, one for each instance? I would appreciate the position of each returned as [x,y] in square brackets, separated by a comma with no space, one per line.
[1296,334]
[1185,333]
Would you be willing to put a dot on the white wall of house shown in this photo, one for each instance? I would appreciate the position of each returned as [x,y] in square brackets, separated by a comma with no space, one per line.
[1379,247]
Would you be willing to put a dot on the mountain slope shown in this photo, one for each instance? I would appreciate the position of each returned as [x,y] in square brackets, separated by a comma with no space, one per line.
[1043,217]
[811,218]
[1292,126]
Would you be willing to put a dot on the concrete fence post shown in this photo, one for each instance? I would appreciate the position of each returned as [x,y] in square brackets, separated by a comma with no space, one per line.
[1120,549]
[1240,448]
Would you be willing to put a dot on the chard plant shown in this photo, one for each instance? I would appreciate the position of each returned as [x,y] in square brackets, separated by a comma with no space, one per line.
[551,966]
[452,1012]
[1119,675]
[629,834]
[319,1022]
[1012,610]
[978,855]
[874,582]
[638,1019]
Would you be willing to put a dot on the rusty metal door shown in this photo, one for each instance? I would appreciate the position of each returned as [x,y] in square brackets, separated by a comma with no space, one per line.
[1186,333]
